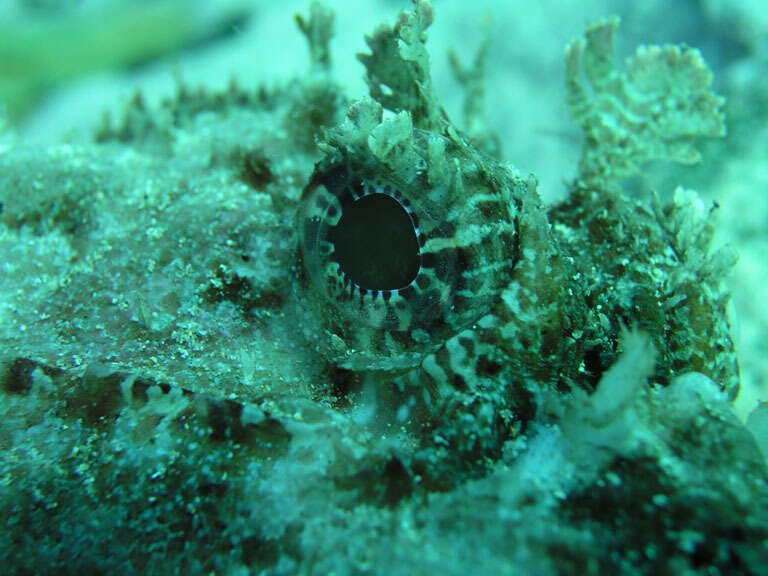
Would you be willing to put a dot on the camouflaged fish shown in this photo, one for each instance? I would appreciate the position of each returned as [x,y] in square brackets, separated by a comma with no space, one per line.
[425,274]
[240,318]
[432,267]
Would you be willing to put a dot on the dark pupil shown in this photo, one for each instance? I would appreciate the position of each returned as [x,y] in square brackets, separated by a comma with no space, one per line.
[375,243]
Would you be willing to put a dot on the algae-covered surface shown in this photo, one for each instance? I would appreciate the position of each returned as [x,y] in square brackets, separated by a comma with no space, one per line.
[485,298]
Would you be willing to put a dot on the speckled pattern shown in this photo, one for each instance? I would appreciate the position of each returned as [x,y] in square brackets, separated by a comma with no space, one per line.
[190,385]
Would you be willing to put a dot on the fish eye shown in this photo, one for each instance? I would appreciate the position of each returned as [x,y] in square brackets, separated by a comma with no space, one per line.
[391,269]
[361,248]
[375,241]
[364,270]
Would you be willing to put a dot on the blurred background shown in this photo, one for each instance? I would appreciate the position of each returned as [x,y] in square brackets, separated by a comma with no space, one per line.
[63,63]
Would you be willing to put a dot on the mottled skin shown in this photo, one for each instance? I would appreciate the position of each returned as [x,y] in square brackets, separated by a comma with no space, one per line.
[491,309]
[504,313]
[188,383]
[512,307]
[468,247]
